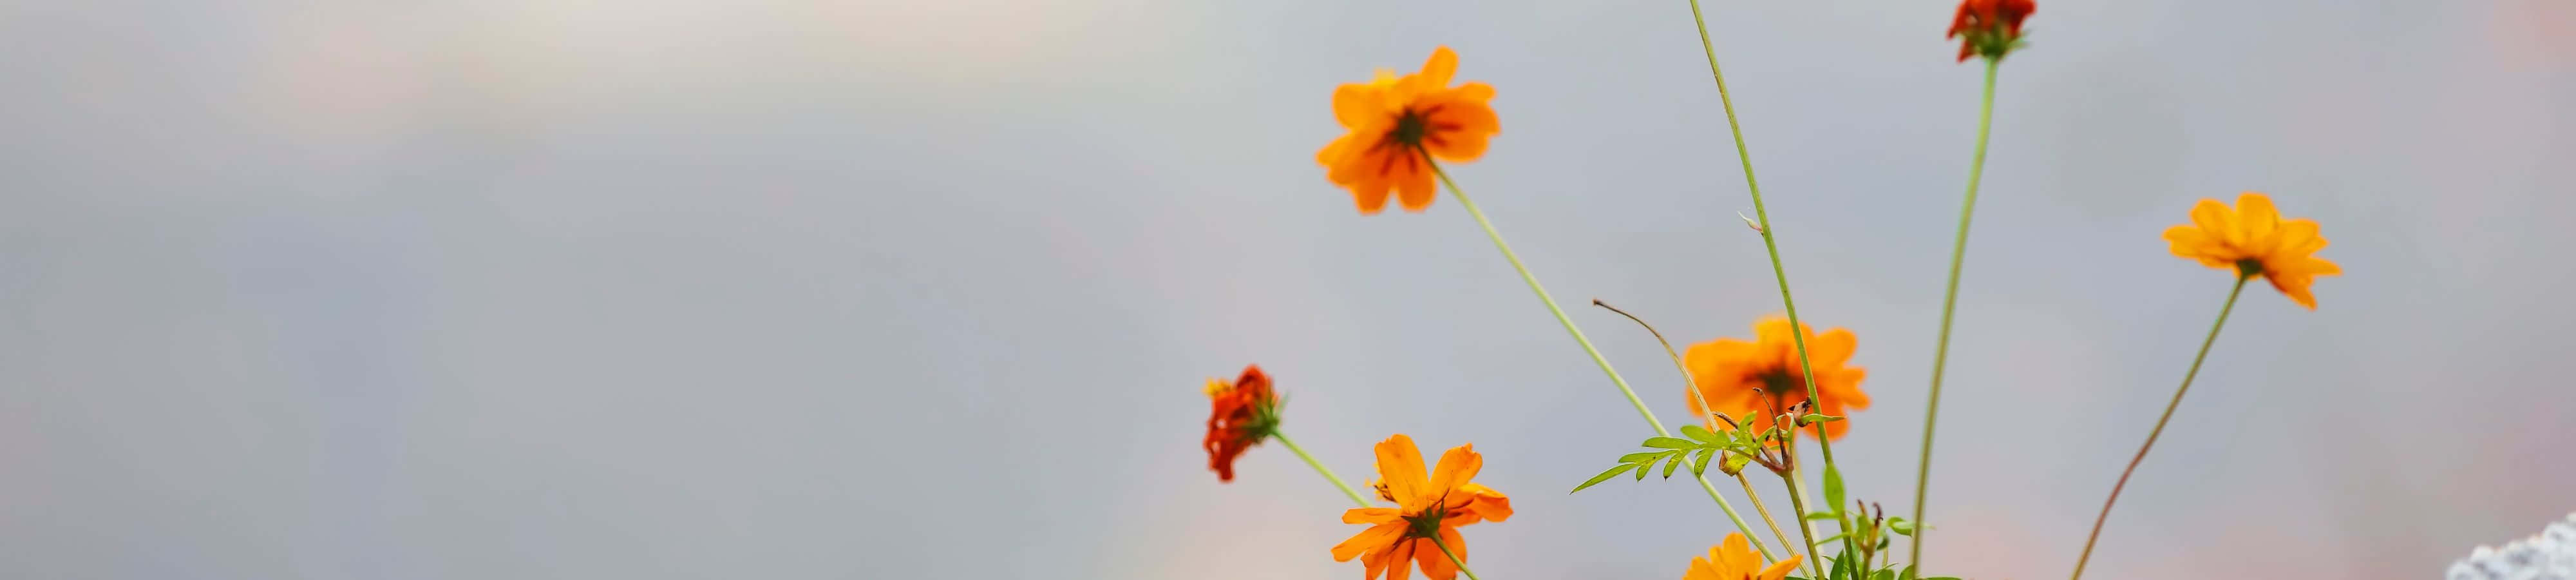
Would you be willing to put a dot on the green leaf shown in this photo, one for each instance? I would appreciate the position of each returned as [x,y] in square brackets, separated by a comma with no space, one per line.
[1829,539]
[1883,575]
[1813,418]
[1701,433]
[1674,462]
[1820,515]
[1669,443]
[1641,457]
[1908,574]
[1643,468]
[1700,467]
[1834,488]
[1900,526]
[1605,476]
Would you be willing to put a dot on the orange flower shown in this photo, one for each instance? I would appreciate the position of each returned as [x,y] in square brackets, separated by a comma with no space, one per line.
[1992,27]
[1240,414]
[1426,508]
[1396,123]
[2253,239]
[1727,372]
[1733,560]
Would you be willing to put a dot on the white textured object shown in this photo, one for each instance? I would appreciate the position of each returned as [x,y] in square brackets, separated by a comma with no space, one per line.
[2548,556]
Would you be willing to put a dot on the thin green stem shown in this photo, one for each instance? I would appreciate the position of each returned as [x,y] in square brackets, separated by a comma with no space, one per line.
[2160,425]
[1806,527]
[1771,245]
[1754,186]
[1571,329]
[1453,559]
[1949,302]
[1550,301]
[1757,508]
[1319,468]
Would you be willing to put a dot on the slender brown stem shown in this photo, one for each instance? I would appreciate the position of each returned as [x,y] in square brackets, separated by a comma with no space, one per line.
[2080,560]
[1691,387]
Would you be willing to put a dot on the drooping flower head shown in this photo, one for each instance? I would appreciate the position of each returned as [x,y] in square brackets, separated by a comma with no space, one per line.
[1395,125]
[1992,27]
[1427,507]
[2252,239]
[1240,415]
[1763,375]
[1733,560]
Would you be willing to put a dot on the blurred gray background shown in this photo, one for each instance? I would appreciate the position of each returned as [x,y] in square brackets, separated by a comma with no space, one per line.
[776,289]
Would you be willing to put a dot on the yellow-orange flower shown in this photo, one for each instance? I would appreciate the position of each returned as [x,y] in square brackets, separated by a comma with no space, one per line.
[2253,239]
[1394,122]
[1733,560]
[1727,371]
[1426,508]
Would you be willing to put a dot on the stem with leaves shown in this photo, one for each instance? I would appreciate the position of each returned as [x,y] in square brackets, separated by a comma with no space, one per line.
[1577,333]
[1709,422]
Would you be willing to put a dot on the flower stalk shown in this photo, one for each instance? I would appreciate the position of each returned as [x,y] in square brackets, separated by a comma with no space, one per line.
[1949,303]
[1355,496]
[2159,429]
[1577,333]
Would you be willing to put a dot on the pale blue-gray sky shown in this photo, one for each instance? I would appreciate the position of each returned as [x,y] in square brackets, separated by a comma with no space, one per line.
[896,289]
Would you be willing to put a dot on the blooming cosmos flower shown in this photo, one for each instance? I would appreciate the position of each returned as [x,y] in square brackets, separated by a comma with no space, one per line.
[1240,414]
[1727,372]
[1733,560]
[1426,508]
[1395,124]
[1992,27]
[2253,239]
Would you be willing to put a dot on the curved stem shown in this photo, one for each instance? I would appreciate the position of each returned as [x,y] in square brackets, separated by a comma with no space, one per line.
[1552,308]
[1319,468]
[2160,426]
[1949,302]
[1453,559]
[1693,389]
[1577,332]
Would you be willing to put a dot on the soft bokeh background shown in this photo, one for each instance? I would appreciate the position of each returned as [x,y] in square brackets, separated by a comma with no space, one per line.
[899,289]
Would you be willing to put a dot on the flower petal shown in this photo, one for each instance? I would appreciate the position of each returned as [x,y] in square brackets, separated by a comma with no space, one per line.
[1375,538]
[1457,466]
[1355,104]
[1437,70]
[1399,462]
[1372,516]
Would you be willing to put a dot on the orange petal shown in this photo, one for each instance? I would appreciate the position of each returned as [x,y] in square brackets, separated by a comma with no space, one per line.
[1376,537]
[1436,71]
[1355,104]
[1400,560]
[1400,464]
[1372,515]
[1832,348]
[1376,561]
[2299,237]
[2214,219]
[1780,569]
[1434,565]
[1457,466]
[2256,219]
[1478,92]
[1415,189]
[1490,505]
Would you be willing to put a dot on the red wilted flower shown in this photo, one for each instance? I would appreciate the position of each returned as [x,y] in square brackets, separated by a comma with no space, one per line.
[1992,27]
[1240,414]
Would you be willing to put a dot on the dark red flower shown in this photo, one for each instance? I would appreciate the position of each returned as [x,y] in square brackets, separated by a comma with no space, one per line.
[1240,415]
[1991,27]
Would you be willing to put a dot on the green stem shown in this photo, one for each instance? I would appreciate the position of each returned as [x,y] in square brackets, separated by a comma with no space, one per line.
[1745,157]
[1453,559]
[1571,329]
[1688,386]
[1319,468]
[2160,425]
[1806,527]
[1949,302]
[1757,508]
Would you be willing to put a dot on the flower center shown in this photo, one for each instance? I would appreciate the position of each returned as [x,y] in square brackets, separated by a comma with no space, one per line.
[1410,128]
[2249,267]
[1425,524]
